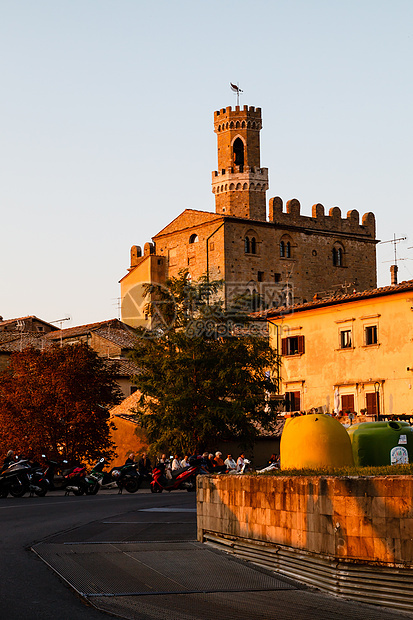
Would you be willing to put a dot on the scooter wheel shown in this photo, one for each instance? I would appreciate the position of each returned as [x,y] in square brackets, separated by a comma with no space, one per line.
[92,490]
[78,492]
[156,489]
[132,485]
[43,489]
[18,490]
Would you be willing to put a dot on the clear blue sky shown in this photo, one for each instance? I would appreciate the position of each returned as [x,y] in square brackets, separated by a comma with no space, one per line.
[106,109]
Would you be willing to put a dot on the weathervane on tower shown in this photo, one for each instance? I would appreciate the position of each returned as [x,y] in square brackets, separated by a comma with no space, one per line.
[236,89]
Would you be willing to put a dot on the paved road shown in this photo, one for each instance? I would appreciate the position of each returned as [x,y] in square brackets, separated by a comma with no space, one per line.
[139,549]
[28,589]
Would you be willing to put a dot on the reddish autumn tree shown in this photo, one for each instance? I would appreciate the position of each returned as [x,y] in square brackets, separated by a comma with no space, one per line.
[56,401]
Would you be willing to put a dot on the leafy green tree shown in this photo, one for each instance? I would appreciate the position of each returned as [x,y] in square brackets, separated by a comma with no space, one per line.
[56,401]
[204,371]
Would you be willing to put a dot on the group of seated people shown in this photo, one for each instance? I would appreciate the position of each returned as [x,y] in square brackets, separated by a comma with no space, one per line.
[211,463]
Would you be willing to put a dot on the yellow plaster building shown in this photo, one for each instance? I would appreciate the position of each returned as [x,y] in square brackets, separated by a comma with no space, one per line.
[352,353]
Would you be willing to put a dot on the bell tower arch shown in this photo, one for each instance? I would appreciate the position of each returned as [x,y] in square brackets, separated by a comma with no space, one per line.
[239,184]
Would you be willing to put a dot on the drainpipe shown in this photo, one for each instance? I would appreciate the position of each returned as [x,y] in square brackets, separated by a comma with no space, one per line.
[278,363]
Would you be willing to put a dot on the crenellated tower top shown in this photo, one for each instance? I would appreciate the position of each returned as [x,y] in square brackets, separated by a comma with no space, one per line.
[240,183]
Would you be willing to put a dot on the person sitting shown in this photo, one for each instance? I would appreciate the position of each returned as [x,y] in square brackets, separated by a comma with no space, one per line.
[176,463]
[211,465]
[219,463]
[131,459]
[240,462]
[9,458]
[230,463]
[185,461]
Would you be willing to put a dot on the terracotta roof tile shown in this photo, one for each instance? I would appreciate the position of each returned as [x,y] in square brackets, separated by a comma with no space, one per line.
[126,407]
[126,368]
[10,342]
[31,317]
[335,300]
[81,330]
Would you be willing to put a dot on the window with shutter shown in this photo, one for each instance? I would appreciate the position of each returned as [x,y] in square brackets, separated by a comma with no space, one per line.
[371,403]
[293,345]
[347,402]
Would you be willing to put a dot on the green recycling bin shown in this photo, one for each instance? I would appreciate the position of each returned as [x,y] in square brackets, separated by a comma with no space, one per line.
[381,443]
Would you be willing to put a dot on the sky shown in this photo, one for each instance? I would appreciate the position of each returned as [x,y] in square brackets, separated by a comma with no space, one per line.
[106,112]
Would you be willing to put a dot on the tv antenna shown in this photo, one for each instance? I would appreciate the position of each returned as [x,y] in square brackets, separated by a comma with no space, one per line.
[395,242]
[60,321]
[117,301]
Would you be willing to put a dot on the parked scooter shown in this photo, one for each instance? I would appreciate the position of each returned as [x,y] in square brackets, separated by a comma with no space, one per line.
[77,481]
[21,477]
[123,477]
[49,471]
[184,478]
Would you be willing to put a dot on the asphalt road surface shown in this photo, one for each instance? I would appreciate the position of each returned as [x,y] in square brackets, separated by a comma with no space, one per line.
[136,557]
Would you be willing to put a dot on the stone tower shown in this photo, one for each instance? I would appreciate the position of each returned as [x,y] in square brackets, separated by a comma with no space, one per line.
[240,183]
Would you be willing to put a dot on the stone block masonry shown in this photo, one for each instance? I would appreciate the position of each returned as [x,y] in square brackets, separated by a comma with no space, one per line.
[356,519]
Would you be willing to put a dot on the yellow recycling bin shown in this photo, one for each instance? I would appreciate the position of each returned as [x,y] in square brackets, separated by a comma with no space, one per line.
[314,441]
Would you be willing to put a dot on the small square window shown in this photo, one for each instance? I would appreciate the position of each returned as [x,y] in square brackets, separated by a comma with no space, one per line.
[345,339]
[260,276]
[371,334]
[277,277]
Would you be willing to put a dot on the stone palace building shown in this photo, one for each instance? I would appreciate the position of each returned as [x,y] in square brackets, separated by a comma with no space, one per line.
[279,254]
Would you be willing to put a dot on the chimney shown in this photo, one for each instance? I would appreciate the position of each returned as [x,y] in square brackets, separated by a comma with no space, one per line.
[393,272]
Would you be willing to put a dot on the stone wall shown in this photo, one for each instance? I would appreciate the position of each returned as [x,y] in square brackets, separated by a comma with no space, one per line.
[347,518]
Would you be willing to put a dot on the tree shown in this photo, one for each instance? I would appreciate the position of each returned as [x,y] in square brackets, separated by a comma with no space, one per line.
[56,401]
[204,371]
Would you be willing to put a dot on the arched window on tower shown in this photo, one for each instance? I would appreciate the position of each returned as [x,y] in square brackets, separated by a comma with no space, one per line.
[288,250]
[338,256]
[238,150]
[253,246]
[247,245]
[286,247]
[193,238]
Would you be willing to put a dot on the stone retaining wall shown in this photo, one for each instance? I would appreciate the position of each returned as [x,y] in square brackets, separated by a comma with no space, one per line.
[348,518]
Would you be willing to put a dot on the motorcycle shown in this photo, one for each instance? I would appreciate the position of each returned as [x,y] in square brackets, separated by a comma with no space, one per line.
[77,481]
[123,477]
[49,471]
[184,478]
[21,477]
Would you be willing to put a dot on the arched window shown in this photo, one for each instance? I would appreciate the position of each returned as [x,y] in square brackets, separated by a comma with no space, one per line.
[338,256]
[286,247]
[247,245]
[193,238]
[238,151]
[288,250]
[253,246]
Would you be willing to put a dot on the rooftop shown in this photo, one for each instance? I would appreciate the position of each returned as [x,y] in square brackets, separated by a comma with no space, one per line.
[335,300]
